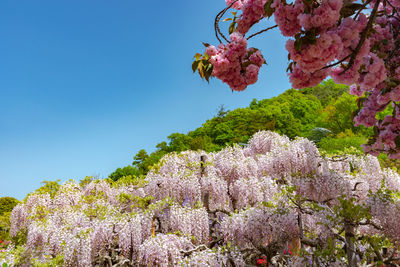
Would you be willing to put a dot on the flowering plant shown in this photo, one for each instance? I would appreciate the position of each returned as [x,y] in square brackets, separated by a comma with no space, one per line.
[262,262]
[276,200]
[355,42]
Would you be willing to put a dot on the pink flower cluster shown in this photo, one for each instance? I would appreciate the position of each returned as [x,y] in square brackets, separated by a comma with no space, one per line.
[314,57]
[236,4]
[302,79]
[286,16]
[329,37]
[234,64]
[252,12]
[323,17]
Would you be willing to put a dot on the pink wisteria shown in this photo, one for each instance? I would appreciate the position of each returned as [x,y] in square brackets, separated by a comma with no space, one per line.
[356,43]
[229,208]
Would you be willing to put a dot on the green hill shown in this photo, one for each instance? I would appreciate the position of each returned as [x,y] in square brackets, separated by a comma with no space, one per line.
[322,114]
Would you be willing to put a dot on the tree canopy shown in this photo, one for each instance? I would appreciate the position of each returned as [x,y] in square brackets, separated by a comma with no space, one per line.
[7,204]
[293,113]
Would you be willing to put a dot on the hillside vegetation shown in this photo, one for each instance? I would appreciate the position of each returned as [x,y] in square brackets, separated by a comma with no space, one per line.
[322,113]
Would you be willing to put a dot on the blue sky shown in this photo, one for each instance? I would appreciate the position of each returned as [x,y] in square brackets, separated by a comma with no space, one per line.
[86,84]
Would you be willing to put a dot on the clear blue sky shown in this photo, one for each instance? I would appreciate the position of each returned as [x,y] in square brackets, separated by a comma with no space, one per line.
[86,84]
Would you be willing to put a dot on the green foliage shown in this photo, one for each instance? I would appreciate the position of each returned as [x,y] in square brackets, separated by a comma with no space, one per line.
[326,92]
[139,158]
[135,201]
[7,204]
[317,134]
[125,171]
[48,187]
[387,162]
[5,226]
[232,25]
[86,180]
[51,261]
[349,211]
[202,63]
[20,255]
[337,144]
[293,113]
[20,239]
[128,180]
[338,116]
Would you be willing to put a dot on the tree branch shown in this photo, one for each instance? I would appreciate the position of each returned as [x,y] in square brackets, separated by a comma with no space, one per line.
[363,36]
[190,251]
[257,33]
[216,22]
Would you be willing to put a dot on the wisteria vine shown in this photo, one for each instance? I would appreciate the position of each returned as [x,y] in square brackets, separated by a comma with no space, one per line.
[275,201]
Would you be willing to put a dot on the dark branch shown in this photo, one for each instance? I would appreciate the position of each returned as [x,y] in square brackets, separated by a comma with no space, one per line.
[257,33]
[363,36]
[336,63]
[190,251]
[216,22]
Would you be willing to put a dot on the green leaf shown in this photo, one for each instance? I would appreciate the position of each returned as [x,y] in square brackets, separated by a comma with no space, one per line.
[234,13]
[232,27]
[290,67]
[5,264]
[298,44]
[268,10]
[252,50]
[195,65]
[205,62]
[246,64]
[209,68]
[201,69]
[346,12]
[198,56]
[207,76]
[311,37]
[350,8]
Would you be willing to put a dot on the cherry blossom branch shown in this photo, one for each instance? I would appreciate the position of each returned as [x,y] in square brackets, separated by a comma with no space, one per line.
[336,63]
[390,4]
[216,26]
[393,52]
[216,22]
[363,36]
[361,9]
[265,30]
